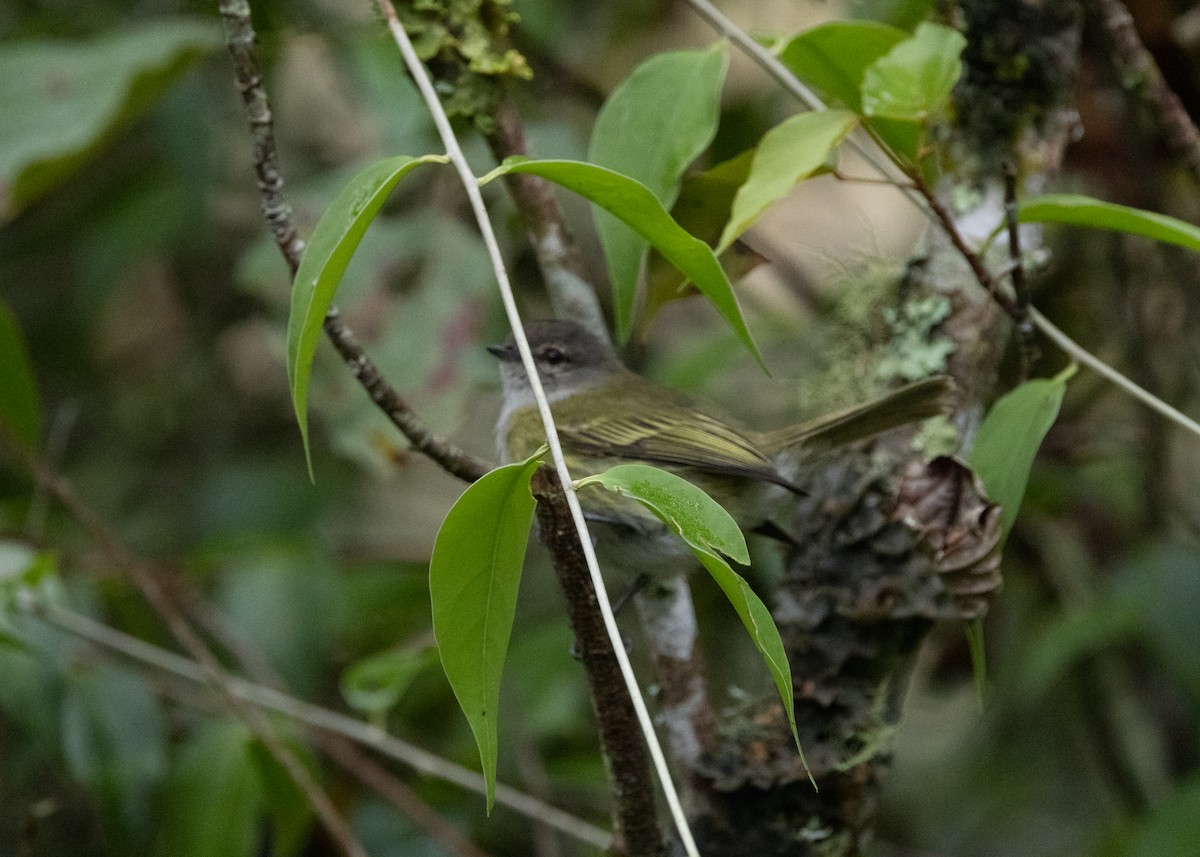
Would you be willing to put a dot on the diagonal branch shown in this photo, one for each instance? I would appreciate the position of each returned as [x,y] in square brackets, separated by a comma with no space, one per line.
[239,36]
[1146,79]
[313,716]
[148,580]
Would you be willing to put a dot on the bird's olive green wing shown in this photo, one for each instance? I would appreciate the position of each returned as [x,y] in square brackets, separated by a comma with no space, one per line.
[699,441]
[908,404]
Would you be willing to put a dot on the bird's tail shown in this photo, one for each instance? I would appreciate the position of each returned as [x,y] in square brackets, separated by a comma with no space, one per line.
[911,403]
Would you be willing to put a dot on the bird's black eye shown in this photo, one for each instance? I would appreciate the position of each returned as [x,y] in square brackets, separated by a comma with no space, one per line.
[551,356]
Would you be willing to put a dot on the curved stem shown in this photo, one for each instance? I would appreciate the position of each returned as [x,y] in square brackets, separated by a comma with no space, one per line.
[471,185]
[1082,355]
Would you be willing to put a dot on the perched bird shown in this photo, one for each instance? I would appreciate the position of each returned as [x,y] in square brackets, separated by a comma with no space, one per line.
[607,415]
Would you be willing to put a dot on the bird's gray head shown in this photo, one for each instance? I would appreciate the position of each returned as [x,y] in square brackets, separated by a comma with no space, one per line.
[569,359]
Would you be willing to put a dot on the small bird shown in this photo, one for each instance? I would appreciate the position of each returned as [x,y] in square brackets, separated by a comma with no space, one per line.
[607,415]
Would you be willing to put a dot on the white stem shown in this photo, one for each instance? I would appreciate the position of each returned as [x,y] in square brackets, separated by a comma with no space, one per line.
[1081,354]
[312,715]
[792,84]
[471,184]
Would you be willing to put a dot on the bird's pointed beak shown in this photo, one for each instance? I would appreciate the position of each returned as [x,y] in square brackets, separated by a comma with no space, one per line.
[503,351]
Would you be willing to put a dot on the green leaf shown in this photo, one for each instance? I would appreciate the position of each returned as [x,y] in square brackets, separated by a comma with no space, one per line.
[633,203]
[375,684]
[653,125]
[474,575]
[757,619]
[1078,210]
[788,153]
[1008,441]
[329,251]
[213,795]
[62,102]
[899,13]
[702,208]
[20,410]
[914,79]
[832,57]
[697,518]
[708,529]
[977,644]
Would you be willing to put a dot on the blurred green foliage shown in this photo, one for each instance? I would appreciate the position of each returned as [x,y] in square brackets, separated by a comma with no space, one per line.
[134,260]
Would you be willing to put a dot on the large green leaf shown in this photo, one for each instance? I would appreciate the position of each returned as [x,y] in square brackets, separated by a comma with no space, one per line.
[474,575]
[63,101]
[1079,210]
[788,153]
[698,519]
[702,208]
[1008,441]
[653,125]
[213,795]
[633,203]
[20,411]
[913,80]
[832,57]
[329,251]
[710,531]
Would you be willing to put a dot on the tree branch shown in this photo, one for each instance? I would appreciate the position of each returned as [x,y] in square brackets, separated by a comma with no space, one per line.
[1143,76]
[239,36]
[635,824]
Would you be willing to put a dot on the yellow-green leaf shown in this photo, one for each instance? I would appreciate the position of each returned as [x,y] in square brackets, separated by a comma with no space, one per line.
[788,153]
[913,80]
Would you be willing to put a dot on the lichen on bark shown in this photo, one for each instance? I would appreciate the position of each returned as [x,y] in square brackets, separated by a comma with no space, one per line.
[464,43]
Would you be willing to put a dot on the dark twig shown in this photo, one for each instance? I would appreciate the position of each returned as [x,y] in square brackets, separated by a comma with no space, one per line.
[1138,66]
[946,220]
[239,34]
[636,829]
[149,580]
[1026,349]
[452,459]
